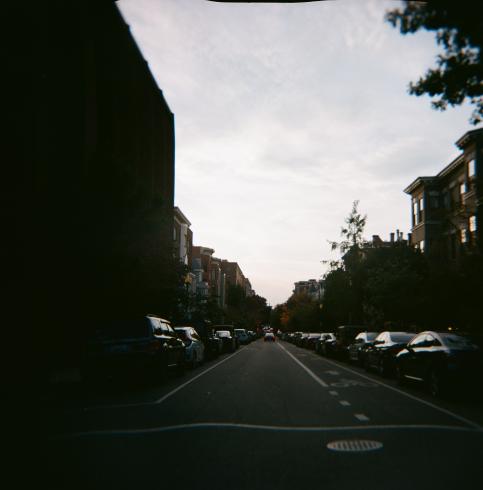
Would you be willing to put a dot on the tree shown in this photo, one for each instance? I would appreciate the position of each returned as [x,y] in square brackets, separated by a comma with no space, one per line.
[459,72]
[345,279]
[352,232]
[395,285]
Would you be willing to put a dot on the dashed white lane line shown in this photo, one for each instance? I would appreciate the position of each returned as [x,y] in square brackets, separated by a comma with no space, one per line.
[361,417]
[401,392]
[334,393]
[320,381]
[344,403]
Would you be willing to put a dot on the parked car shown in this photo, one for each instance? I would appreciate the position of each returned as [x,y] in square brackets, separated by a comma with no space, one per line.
[228,339]
[269,337]
[252,335]
[344,336]
[213,344]
[140,348]
[229,328]
[357,349]
[242,336]
[311,340]
[441,361]
[381,353]
[194,346]
[299,341]
[320,346]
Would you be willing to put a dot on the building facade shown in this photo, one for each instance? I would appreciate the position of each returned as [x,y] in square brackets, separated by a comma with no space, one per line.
[94,170]
[446,208]
[312,287]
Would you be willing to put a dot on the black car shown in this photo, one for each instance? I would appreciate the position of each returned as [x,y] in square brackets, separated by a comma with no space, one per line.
[228,338]
[141,348]
[344,336]
[381,353]
[310,341]
[442,361]
[213,344]
[357,349]
[319,343]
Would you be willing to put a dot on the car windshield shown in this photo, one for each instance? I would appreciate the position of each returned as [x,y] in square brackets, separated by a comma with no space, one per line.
[181,332]
[401,338]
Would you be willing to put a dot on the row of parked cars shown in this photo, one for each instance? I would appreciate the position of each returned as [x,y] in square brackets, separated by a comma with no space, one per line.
[443,361]
[149,347]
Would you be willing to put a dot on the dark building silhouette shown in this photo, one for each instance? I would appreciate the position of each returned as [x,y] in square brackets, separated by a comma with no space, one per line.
[446,208]
[91,188]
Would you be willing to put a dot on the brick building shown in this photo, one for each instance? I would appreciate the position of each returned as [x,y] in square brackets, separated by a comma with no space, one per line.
[446,208]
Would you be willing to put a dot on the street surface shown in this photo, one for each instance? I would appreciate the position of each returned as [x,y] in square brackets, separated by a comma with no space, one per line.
[263,418]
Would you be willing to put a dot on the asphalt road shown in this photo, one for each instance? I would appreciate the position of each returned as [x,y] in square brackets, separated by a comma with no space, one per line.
[271,415]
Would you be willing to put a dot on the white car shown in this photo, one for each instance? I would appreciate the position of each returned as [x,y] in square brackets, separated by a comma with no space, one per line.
[194,347]
[269,336]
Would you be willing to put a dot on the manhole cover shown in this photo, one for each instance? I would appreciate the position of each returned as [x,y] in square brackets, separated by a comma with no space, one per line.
[355,445]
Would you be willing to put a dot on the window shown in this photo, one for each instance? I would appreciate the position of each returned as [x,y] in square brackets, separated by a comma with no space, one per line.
[434,202]
[471,168]
[464,235]
[462,188]
[432,341]
[421,204]
[446,200]
[415,213]
[421,245]
[472,222]
[418,341]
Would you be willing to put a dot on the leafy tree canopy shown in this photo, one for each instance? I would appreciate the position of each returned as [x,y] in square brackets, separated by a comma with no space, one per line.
[459,72]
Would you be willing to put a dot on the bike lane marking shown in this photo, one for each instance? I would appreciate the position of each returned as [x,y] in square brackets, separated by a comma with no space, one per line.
[408,395]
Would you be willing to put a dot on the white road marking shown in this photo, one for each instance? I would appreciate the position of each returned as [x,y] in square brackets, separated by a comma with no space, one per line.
[168,395]
[344,403]
[275,428]
[307,370]
[333,393]
[401,392]
[361,417]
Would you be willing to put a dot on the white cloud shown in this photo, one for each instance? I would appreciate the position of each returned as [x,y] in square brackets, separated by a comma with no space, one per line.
[285,114]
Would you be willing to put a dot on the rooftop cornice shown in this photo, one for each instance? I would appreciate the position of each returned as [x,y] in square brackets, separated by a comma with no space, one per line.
[420,181]
[179,215]
[467,137]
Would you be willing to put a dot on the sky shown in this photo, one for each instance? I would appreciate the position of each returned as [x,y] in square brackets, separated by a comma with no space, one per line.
[284,115]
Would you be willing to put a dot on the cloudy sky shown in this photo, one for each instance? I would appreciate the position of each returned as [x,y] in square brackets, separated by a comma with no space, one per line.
[287,113]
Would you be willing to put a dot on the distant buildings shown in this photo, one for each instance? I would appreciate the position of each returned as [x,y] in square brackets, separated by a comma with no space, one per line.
[312,287]
[208,276]
[446,208]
